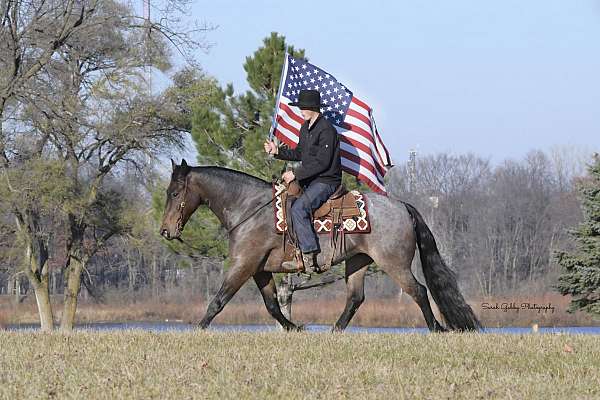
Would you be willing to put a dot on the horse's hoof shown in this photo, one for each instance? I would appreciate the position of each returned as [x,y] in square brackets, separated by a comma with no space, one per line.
[202,326]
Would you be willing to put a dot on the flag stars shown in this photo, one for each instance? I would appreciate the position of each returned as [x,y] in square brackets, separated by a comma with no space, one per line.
[303,66]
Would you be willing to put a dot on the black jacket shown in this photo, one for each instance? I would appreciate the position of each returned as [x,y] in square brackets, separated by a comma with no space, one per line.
[319,151]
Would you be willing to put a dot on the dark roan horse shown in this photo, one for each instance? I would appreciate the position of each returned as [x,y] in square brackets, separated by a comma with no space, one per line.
[241,203]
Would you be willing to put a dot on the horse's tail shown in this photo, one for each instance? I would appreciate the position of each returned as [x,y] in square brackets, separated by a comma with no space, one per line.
[440,279]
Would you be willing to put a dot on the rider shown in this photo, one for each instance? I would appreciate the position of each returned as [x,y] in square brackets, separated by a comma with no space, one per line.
[319,174]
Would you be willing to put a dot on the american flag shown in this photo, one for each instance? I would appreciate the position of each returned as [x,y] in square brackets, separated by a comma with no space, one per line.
[363,153]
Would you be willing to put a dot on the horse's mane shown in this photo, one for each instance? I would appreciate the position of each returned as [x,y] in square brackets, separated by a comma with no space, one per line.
[232,175]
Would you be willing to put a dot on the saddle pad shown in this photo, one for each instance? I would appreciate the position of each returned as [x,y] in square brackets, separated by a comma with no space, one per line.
[358,224]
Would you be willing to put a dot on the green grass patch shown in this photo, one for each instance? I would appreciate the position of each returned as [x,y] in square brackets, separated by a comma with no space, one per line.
[136,364]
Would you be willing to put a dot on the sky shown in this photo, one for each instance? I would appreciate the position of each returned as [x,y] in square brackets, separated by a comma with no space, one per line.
[493,78]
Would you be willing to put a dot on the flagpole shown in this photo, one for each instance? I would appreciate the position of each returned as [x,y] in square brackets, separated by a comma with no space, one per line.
[279,92]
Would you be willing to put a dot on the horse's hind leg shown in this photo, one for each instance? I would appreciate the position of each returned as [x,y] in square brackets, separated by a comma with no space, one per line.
[407,281]
[355,288]
[266,284]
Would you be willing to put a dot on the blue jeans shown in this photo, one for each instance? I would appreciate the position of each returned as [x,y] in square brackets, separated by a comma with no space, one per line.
[313,197]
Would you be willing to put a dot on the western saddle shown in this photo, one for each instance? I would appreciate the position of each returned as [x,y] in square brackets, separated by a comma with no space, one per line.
[340,206]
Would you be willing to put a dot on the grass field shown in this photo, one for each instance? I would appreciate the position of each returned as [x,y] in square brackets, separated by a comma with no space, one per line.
[298,365]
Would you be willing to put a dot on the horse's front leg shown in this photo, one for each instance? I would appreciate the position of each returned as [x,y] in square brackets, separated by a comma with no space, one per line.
[237,275]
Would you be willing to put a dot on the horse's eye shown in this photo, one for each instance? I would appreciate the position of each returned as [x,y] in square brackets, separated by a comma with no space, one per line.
[174,194]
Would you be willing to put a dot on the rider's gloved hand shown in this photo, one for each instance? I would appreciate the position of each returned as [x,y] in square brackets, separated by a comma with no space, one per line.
[271,147]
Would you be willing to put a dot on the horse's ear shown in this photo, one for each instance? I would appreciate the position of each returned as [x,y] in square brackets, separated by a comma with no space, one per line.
[183,163]
[173,165]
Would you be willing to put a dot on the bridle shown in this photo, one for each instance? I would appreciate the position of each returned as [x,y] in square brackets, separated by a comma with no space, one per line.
[181,208]
[182,205]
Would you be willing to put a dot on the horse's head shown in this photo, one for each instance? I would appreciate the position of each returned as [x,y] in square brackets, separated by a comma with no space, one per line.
[181,202]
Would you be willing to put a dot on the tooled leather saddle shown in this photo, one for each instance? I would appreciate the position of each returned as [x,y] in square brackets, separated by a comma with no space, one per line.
[341,205]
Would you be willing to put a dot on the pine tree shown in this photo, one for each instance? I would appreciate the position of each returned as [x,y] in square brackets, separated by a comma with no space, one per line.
[229,130]
[581,267]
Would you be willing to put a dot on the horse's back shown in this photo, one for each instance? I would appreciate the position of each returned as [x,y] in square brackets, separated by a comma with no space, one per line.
[391,224]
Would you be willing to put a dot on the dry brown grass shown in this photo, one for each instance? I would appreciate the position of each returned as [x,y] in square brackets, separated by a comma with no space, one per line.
[207,365]
[374,312]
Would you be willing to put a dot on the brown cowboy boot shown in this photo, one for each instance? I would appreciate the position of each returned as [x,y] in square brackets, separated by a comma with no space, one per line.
[306,263]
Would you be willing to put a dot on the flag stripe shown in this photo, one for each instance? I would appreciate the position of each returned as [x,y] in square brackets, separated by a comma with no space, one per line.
[367,177]
[290,135]
[284,138]
[361,104]
[296,117]
[358,109]
[360,161]
[281,120]
[290,120]
[359,116]
[365,154]
[357,130]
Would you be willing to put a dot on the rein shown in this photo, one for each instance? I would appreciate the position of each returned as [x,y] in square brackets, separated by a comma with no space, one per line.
[182,208]
[250,216]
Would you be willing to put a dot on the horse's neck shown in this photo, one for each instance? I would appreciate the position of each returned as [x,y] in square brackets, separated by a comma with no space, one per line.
[229,202]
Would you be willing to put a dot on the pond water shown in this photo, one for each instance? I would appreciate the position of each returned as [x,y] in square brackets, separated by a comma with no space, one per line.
[169,326]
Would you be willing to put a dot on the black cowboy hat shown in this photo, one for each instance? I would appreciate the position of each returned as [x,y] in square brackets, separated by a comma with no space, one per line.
[308,99]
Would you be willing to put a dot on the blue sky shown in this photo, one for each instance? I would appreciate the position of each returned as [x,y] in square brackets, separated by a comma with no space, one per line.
[495,78]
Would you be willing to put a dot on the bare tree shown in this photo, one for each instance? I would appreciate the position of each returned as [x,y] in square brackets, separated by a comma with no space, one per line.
[71,99]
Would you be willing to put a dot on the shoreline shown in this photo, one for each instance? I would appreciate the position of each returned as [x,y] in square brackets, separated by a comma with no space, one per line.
[393,313]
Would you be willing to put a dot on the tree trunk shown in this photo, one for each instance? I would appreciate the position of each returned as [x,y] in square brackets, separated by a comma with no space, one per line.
[42,298]
[71,292]
[37,273]
[154,279]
